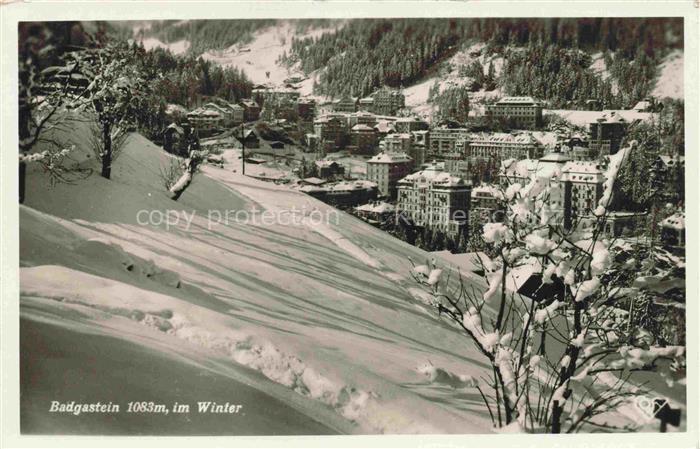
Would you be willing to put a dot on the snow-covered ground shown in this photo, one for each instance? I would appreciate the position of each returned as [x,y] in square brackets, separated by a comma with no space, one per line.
[322,318]
[259,58]
[177,47]
[583,118]
[447,75]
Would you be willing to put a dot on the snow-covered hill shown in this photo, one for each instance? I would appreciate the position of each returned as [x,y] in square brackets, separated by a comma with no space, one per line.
[319,321]
[670,81]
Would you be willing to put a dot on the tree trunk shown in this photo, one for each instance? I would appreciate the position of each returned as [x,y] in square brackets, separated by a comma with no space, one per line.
[180,186]
[107,151]
[185,180]
[23,119]
[22,182]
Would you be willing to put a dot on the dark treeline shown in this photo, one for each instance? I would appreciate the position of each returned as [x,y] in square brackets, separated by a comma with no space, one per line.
[174,79]
[183,79]
[366,54]
[562,76]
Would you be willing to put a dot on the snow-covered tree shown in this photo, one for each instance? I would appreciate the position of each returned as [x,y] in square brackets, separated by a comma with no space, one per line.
[113,92]
[178,176]
[562,352]
[43,100]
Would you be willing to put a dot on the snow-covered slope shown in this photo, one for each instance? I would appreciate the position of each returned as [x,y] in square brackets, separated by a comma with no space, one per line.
[321,321]
[670,81]
[446,74]
[259,58]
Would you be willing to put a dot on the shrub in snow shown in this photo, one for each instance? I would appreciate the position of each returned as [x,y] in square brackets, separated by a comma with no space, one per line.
[561,360]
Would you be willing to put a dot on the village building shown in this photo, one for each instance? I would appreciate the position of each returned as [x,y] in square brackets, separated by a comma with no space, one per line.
[205,121]
[388,101]
[329,169]
[361,118]
[435,199]
[366,104]
[606,134]
[344,193]
[523,112]
[384,128]
[386,169]
[345,104]
[363,139]
[377,212]
[331,131]
[421,145]
[306,108]
[456,164]
[673,229]
[250,139]
[501,146]
[583,188]
[486,204]
[397,143]
[623,223]
[410,124]
[445,140]
[251,110]
[238,113]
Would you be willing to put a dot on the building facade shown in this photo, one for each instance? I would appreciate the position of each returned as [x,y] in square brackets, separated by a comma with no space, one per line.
[388,101]
[435,199]
[447,140]
[523,112]
[386,169]
[606,134]
[363,139]
[251,110]
[502,146]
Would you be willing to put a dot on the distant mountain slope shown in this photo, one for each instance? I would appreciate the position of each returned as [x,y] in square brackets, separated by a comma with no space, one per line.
[551,59]
[670,81]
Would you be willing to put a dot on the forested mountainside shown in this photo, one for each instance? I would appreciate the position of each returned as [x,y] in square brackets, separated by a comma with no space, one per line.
[566,62]
[365,54]
[172,78]
[205,35]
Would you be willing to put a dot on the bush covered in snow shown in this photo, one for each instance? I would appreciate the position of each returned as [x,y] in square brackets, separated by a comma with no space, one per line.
[563,353]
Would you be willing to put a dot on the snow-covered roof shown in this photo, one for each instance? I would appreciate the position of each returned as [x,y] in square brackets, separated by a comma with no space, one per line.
[362,127]
[520,138]
[518,100]
[590,171]
[384,126]
[359,184]
[390,158]
[486,190]
[672,160]
[556,156]
[675,221]
[324,163]
[611,117]
[642,106]
[201,112]
[314,181]
[249,103]
[176,127]
[377,208]
[435,175]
